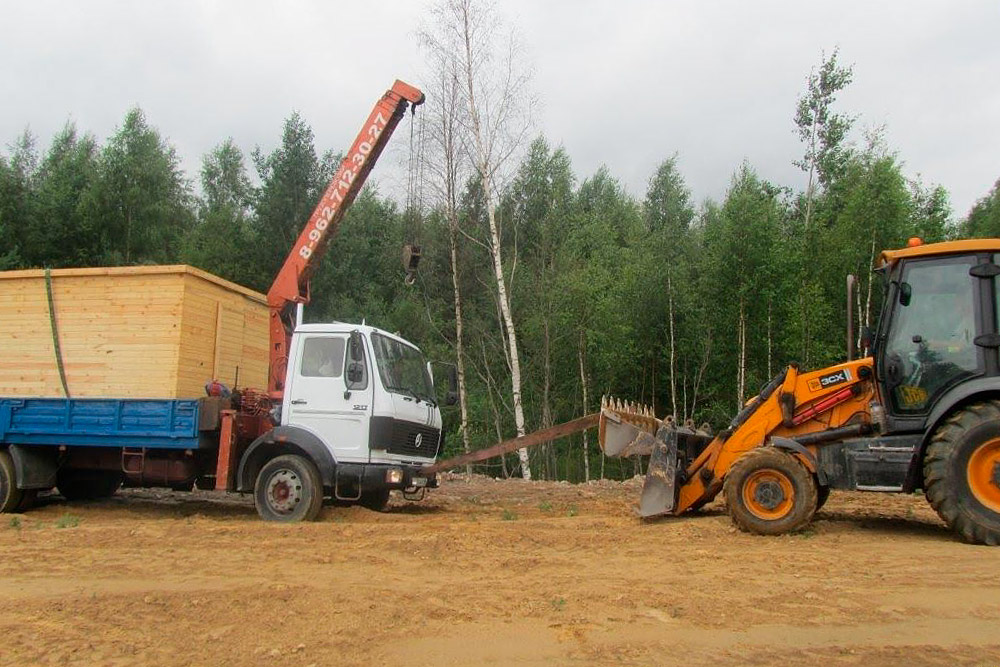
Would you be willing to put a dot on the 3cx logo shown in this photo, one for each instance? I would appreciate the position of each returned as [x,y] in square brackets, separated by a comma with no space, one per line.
[835,378]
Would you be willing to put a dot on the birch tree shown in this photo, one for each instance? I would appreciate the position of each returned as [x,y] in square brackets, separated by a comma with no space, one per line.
[447,167]
[469,42]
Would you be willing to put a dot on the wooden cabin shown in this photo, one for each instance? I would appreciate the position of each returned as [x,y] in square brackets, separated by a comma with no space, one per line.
[129,332]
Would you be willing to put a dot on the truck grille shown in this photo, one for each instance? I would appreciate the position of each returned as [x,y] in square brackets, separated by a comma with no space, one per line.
[404,440]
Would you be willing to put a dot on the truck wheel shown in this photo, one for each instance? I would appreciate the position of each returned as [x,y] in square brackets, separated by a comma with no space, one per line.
[87,484]
[376,500]
[288,488]
[962,473]
[10,495]
[769,492]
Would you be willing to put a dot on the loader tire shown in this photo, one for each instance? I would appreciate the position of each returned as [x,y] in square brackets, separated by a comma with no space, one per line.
[822,495]
[962,473]
[288,488]
[10,495]
[769,492]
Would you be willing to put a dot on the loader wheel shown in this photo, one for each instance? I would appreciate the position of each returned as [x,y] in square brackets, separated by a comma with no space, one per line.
[962,473]
[768,492]
[822,495]
[10,495]
[288,489]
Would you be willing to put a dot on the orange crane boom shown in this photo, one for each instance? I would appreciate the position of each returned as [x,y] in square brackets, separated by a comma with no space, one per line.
[291,285]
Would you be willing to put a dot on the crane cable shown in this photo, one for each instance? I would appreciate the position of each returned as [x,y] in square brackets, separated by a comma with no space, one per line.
[414,199]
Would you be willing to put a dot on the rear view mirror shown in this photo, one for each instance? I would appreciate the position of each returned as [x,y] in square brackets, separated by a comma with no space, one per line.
[451,398]
[905,294]
[866,340]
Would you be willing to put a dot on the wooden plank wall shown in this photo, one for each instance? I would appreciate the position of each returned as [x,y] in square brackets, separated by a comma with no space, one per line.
[153,332]
[222,330]
[118,335]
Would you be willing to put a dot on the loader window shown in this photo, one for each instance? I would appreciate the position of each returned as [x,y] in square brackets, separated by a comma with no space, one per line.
[323,357]
[930,344]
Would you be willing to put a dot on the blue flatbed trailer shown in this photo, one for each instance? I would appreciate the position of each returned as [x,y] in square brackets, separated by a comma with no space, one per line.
[103,422]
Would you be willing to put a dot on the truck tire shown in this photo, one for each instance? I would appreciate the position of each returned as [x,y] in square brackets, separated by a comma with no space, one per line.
[769,492]
[288,488]
[376,500]
[962,473]
[87,484]
[10,495]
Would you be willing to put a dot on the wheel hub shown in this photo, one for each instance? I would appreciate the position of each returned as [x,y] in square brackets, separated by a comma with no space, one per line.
[768,494]
[983,474]
[284,491]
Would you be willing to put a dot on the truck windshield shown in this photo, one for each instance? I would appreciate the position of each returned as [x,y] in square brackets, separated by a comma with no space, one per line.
[402,368]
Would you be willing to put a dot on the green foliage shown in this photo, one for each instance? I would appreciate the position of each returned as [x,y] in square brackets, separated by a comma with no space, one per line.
[67,521]
[508,515]
[658,299]
[984,218]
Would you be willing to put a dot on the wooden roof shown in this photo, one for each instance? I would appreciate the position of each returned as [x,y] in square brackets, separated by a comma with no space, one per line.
[143,270]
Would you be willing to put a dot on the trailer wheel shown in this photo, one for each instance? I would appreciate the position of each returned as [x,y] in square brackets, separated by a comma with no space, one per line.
[962,473]
[376,500]
[769,492]
[87,484]
[288,488]
[10,495]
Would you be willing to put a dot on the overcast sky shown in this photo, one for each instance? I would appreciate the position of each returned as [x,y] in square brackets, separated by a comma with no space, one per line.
[622,83]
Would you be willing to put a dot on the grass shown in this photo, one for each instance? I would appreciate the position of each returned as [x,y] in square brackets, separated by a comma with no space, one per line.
[545,506]
[67,521]
[572,511]
[508,515]
[558,604]
[15,522]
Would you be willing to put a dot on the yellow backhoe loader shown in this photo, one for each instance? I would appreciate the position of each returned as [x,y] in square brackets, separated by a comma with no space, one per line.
[920,411]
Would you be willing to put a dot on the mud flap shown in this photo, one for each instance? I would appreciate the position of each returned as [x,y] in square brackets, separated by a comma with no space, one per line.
[659,491]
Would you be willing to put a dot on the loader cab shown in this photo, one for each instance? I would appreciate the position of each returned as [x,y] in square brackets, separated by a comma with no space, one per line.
[938,329]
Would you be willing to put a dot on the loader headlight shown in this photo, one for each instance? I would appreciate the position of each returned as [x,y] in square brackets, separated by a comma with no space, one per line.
[394,476]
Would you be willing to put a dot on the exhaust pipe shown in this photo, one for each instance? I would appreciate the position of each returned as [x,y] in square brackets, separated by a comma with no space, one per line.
[850,317]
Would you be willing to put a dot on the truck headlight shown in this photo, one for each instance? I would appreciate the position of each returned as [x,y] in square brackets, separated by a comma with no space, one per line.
[394,476]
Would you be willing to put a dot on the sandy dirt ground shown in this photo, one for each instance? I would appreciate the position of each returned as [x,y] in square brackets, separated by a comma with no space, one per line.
[489,572]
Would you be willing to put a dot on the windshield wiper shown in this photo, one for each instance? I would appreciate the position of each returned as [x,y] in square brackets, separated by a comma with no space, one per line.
[406,389]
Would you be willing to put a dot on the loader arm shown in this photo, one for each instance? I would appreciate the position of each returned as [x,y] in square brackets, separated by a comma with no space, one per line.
[796,412]
[291,285]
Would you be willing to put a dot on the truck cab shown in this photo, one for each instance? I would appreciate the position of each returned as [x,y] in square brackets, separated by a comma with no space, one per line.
[366,393]
[359,417]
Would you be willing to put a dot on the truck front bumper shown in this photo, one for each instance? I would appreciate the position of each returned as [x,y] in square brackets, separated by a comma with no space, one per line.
[393,476]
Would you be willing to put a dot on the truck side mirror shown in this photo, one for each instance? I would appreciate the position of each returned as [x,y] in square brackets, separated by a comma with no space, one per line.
[355,374]
[357,346]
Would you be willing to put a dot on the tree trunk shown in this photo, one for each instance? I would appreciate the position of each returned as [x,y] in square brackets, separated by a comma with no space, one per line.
[486,169]
[673,354]
[741,371]
[583,385]
[459,342]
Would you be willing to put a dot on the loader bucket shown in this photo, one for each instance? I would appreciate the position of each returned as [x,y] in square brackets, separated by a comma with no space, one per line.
[659,490]
[621,438]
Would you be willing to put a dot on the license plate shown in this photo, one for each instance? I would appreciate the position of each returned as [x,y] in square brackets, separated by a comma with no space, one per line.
[419,481]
